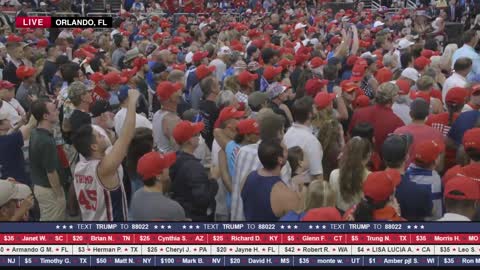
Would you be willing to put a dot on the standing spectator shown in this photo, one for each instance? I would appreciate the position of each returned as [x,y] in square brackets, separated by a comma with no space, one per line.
[46,170]
[121,115]
[401,107]
[221,62]
[50,67]
[98,186]
[208,107]
[271,126]
[29,89]
[11,107]
[13,60]
[150,203]
[247,86]
[470,41]
[347,180]
[461,197]
[301,134]
[12,159]
[277,93]
[81,98]
[462,68]
[141,144]
[379,201]
[418,129]
[121,46]
[414,200]
[201,72]
[422,171]
[265,196]
[380,116]
[191,186]
[165,119]
[474,102]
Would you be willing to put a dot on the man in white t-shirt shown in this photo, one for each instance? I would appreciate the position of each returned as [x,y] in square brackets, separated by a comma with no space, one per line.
[10,106]
[462,67]
[220,63]
[119,119]
[301,134]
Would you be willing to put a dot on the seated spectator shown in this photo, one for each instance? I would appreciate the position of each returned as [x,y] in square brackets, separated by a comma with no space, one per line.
[149,203]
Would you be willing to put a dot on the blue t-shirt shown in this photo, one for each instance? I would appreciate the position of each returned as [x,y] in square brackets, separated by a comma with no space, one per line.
[231,150]
[12,161]
[464,122]
[292,216]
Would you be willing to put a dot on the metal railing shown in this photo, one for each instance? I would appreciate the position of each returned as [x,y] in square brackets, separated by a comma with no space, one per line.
[62,14]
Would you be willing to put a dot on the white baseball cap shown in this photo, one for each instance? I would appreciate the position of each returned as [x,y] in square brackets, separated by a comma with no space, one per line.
[224,50]
[410,73]
[300,25]
[377,24]
[202,25]
[189,57]
[12,191]
[404,43]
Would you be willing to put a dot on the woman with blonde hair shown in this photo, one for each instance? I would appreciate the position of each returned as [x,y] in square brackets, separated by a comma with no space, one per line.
[319,194]
[347,180]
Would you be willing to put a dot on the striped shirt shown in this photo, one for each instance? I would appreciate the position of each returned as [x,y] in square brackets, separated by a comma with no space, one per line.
[246,162]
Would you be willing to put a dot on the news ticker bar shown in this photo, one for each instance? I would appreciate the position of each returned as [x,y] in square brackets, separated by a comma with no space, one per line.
[240,227]
[240,250]
[240,238]
[222,261]
[63,22]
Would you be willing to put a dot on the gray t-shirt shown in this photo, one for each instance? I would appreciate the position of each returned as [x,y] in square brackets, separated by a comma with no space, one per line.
[150,206]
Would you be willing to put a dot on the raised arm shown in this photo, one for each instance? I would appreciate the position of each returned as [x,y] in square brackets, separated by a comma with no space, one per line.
[110,163]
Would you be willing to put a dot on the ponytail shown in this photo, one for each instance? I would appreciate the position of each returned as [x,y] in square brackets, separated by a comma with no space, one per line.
[452,109]
[365,209]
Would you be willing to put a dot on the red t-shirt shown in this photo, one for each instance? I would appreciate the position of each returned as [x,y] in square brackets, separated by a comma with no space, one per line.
[99,93]
[387,213]
[420,133]
[188,8]
[381,118]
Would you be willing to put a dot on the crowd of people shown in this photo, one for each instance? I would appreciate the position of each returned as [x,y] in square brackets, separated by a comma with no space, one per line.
[294,115]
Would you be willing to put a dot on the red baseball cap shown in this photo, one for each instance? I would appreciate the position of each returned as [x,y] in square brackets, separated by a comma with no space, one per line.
[421,62]
[429,53]
[199,56]
[173,49]
[246,77]
[456,95]
[183,19]
[185,130]
[323,99]
[271,72]
[181,30]
[428,151]
[384,75]
[203,71]
[24,72]
[301,58]
[351,60]
[322,214]
[228,113]
[247,126]
[335,40]
[471,139]
[42,43]
[285,63]
[404,86]
[90,49]
[96,77]
[475,90]
[181,67]
[361,101]
[77,31]
[313,86]
[379,186]
[6,85]
[14,38]
[358,72]
[113,78]
[420,94]
[348,86]
[166,89]
[317,62]
[462,184]
[153,163]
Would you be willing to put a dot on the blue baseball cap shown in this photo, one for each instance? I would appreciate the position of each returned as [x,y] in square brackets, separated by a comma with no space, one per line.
[123,92]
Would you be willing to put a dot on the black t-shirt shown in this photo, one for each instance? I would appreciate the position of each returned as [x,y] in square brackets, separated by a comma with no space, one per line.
[276,109]
[209,112]
[49,70]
